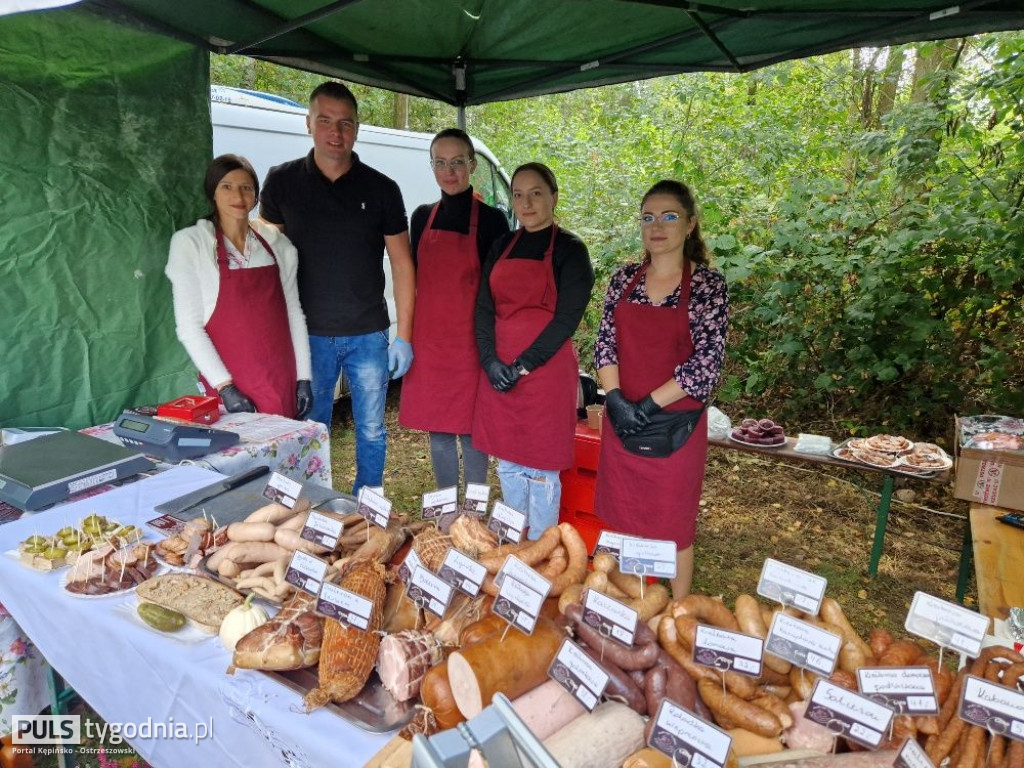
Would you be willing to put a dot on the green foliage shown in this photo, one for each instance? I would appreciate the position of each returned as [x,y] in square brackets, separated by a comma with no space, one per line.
[872,245]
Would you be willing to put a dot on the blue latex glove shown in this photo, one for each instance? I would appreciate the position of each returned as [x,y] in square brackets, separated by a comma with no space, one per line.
[399,357]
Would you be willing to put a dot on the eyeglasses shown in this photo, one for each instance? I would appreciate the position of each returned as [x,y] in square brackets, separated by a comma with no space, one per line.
[666,218]
[457,164]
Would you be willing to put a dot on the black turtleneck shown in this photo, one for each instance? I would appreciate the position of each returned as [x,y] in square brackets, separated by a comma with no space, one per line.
[574,280]
[453,216]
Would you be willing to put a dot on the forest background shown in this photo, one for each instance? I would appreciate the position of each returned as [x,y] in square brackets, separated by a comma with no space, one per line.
[864,206]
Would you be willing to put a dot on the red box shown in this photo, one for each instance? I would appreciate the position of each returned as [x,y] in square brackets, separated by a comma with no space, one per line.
[577,505]
[194,408]
[586,447]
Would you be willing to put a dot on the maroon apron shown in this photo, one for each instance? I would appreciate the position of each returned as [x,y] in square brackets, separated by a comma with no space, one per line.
[639,495]
[249,329]
[534,423]
[439,391]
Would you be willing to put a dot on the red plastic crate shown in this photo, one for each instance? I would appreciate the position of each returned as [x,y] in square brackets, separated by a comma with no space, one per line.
[586,447]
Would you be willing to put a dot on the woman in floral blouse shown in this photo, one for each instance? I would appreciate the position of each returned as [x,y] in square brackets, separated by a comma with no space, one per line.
[658,356]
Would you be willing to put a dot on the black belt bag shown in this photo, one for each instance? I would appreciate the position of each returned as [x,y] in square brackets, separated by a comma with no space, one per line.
[665,434]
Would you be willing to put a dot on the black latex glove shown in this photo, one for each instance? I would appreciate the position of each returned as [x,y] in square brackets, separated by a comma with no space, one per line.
[502,377]
[303,399]
[629,418]
[236,402]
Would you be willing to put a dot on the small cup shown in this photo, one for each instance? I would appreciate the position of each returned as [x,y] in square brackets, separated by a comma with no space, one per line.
[594,414]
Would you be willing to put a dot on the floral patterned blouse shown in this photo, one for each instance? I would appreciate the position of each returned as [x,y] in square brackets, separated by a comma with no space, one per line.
[709,320]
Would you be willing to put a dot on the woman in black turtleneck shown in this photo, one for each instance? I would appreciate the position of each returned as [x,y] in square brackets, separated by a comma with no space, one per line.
[450,239]
[535,286]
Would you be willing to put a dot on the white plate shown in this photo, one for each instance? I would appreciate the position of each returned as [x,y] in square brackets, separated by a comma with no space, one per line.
[190,633]
[161,569]
[783,444]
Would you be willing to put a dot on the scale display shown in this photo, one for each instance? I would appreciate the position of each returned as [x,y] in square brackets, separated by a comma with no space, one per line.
[173,441]
[49,469]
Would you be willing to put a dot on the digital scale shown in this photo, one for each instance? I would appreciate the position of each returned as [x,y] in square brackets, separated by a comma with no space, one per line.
[49,469]
[171,440]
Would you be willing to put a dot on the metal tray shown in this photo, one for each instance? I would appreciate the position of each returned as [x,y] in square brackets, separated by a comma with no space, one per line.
[373,709]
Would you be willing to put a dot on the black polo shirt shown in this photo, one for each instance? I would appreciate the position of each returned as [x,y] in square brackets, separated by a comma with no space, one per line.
[338,228]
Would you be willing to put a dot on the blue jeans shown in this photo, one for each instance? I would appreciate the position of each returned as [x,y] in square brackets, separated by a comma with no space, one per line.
[534,492]
[364,360]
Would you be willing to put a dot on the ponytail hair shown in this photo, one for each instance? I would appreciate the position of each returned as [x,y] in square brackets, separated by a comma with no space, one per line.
[694,248]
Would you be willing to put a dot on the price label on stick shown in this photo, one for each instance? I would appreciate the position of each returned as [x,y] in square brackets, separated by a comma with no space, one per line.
[996,708]
[478,496]
[648,557]
[723,649]
[517,569]
[518,604]
[947,624]
[791,586]
[506,522]
[803,644]
[339,604]
[687,739]
[905,690]
[912,756]
[374,507]
[321,529]
[462,572]
[441,502]
[849,714]
[610,542]
[411,562]
[430,592]
[306,572]
[283,490]
[579,674]
[610,617]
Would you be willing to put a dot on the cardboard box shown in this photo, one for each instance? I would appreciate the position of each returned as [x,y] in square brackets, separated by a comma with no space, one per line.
[995,478]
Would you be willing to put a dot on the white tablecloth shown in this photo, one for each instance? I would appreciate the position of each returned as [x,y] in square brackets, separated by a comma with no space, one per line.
[129,673]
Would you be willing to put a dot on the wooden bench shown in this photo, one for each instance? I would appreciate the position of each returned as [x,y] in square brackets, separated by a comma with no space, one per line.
[788,453]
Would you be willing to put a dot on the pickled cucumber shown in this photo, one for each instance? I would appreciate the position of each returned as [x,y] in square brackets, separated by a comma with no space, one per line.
[161,618]
[36,541]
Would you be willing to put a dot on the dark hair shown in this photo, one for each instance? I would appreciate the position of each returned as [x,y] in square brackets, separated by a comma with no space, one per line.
[220,167]
[541,170]
[335,90]
[694,248]
[454,133]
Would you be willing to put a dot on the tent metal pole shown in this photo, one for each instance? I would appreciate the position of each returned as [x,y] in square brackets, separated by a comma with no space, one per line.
[460,116]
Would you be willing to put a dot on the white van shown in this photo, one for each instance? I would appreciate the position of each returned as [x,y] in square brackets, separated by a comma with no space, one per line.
[269,130]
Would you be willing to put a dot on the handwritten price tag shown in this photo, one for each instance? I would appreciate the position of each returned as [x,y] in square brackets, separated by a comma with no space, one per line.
[442,502]
[374,507]
[339,604]
[321,529]
[848,714]
[803,644]
[506,522]
[579,674]
[905,690]
[722,649]
[611,618]
[462,572]
[687,739]
[947,624]
[791,586]
[283,490]
[306,572]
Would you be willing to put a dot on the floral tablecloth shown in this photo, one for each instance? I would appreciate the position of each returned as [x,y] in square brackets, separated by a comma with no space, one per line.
[23,689]
[300,450]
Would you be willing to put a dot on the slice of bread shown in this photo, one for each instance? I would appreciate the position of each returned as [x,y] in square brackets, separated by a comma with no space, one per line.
[202,601]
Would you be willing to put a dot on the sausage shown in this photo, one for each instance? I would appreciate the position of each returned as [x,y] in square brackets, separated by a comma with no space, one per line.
[293,540]
[655,683]
[777,707]
[272,513]
[844,679]
[531,553]
[251,532]
[641,656]
[706,609]
[742,685]
[947,738]
[742,713]
[748,616]
[852,658]
[832,612]
[802,682]
[668,636]
[576,570]
[214,561]
[679,686]
[599,580]
[571,594]
[621,685]
[257,552]
[902,653]
[297,522]
[879,640]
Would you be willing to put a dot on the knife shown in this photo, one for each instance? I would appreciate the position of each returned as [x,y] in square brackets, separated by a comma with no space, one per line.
[189,500]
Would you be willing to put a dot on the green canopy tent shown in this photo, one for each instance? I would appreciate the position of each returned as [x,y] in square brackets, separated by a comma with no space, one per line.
[468,52]
[104,133]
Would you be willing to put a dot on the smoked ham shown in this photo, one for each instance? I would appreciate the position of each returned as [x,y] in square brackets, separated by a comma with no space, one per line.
[404,659]
[348,654]
[291,640]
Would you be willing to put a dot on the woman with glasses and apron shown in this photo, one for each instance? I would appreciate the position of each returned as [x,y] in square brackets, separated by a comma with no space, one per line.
[658,355]
[450,240]
[534,290]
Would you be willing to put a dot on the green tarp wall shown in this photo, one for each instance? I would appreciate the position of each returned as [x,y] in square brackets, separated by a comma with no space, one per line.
[104,136]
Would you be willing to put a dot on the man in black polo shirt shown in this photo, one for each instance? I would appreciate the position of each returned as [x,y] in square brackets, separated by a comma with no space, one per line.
[341,215]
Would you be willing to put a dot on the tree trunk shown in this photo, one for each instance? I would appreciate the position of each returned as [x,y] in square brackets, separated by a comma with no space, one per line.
[890,82]
[932,68]
[401,113]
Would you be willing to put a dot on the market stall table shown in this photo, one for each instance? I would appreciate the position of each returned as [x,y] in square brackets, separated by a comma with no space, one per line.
[131,674]
[788,453]
[300,450]
[998,561]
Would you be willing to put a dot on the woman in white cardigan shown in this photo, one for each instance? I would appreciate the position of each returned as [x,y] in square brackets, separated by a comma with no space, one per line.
[236,302]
